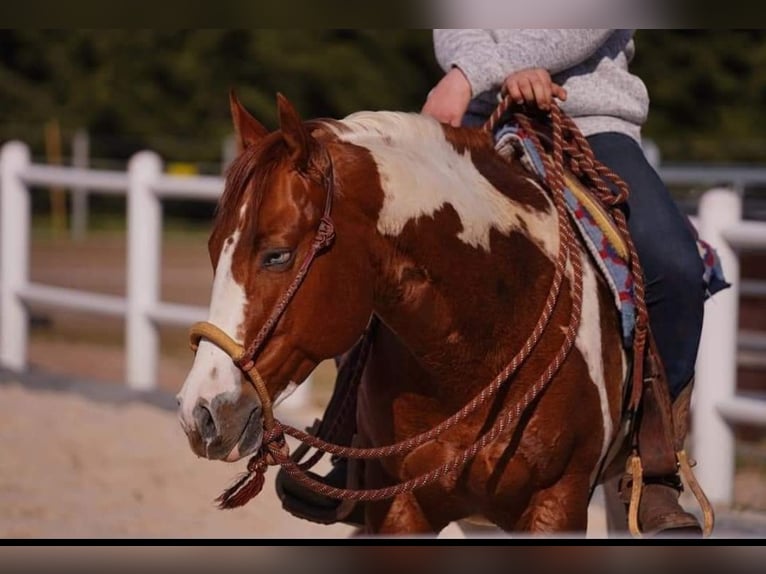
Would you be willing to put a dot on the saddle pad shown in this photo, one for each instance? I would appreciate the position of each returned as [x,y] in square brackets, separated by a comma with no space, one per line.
[599,233]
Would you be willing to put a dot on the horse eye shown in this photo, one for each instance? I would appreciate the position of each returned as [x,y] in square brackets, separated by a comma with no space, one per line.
[277,258]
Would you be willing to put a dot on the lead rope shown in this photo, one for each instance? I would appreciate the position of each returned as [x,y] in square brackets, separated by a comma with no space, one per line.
[274,451]
[584,163]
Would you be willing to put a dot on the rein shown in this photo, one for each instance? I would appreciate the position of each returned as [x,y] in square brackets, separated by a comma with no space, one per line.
[583,163]
[274,451]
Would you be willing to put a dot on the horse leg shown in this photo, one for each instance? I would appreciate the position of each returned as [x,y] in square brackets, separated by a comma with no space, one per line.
[399,515]
[562,507]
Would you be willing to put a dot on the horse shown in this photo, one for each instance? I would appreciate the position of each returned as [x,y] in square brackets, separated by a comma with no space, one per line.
[455,249]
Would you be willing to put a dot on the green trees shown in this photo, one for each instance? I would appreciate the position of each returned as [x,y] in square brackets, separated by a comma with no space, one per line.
[168,90]
[707,89]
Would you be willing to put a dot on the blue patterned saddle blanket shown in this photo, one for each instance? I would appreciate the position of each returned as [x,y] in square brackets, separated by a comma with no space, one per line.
[606,247]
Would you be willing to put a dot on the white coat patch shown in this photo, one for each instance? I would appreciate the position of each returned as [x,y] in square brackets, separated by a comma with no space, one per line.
[589,343]
[421,172]
[213,371]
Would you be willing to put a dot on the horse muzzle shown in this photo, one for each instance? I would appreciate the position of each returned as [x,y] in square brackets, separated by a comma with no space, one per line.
[224,429]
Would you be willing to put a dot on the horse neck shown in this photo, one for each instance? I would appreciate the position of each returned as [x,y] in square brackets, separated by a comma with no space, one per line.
[462,249]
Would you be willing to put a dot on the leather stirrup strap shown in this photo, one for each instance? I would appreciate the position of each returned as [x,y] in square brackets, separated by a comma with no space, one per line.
[655,426]
[337,423]
[653,454]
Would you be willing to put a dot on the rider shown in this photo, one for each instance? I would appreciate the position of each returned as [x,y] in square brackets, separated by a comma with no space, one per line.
[609,104]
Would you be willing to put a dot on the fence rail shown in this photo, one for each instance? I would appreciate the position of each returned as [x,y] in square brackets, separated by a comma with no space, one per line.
[719,220]
[144,185]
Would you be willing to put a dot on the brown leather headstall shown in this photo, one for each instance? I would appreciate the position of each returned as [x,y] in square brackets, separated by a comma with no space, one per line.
[245,359]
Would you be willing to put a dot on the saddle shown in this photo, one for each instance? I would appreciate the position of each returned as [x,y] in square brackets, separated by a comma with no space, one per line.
[511,142]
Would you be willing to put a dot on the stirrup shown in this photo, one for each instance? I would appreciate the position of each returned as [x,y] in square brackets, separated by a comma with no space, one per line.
[315,507]
[636,471]
[708,515]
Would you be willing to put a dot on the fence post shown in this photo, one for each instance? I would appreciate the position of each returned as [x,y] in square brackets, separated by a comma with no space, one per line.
[143,272]
[716,379]
[80,158]
[15,214]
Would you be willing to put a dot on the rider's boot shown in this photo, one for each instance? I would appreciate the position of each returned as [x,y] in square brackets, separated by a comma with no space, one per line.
[659,511]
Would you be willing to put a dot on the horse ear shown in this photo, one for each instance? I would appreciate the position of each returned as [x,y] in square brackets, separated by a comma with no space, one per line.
[296,135]
[249,130]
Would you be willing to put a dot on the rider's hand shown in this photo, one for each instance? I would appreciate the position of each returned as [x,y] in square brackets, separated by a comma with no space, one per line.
[534,85]
[448,101]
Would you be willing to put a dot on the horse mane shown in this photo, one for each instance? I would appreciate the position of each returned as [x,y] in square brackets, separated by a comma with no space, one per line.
[255,165]
[252,168]
[367,128]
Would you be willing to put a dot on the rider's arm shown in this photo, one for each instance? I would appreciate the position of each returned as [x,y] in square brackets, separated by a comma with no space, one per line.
[487,59]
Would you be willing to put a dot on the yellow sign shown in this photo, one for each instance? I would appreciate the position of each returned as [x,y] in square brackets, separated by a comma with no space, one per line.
[181,168]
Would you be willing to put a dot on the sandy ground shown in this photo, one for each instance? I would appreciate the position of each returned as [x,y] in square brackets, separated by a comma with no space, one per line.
[74,467]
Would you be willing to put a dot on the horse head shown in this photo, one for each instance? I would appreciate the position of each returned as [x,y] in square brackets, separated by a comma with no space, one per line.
[277,196]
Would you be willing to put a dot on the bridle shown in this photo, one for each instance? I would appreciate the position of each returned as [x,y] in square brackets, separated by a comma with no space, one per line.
[273,448]
[245,358]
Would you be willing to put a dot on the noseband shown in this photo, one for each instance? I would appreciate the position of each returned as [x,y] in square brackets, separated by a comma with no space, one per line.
[245,358]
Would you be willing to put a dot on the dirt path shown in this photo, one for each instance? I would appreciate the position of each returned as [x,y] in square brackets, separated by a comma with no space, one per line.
[76,466]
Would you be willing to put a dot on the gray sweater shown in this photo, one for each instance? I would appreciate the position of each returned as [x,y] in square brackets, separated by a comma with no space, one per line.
[591,64]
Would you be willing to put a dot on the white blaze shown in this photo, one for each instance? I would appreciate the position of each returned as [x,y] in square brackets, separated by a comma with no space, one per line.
[213,371]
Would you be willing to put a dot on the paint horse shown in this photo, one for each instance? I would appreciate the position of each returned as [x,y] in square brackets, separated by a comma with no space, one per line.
[455,250]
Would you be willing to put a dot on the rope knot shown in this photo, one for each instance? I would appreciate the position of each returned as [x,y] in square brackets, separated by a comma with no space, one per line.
[273,451]
[245,363]
[274,446]
[325,233]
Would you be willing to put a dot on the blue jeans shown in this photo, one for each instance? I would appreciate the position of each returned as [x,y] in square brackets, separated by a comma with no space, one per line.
[667,249]
[666,246]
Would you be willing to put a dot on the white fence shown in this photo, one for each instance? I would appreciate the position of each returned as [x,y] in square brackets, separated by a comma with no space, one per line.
[716,402]
[145,187]
[716,405]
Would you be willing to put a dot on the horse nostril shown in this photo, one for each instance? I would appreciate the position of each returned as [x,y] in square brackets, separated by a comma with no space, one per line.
[205,423]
